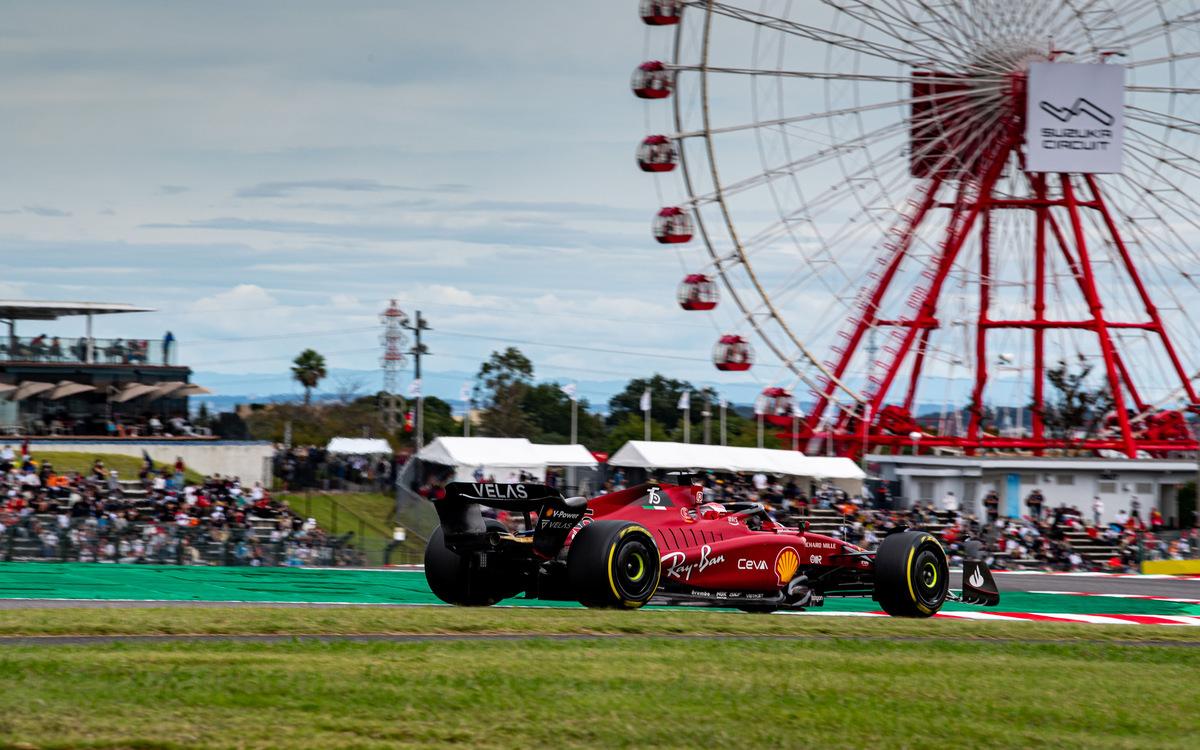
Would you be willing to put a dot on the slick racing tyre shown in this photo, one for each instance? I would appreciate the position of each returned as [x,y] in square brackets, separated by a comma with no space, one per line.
[454,580]
[912,575]
[613,564]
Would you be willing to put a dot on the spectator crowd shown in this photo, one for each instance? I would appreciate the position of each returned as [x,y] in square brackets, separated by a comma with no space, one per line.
[160,516]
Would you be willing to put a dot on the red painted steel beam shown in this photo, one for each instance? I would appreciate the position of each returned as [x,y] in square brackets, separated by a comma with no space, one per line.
[904,244]
[1147,302]
[1097,309]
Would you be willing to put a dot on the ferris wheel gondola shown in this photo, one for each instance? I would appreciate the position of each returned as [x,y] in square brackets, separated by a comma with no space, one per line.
[859,178]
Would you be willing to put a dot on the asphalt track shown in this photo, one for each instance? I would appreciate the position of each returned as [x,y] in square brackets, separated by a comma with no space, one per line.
[1144,599]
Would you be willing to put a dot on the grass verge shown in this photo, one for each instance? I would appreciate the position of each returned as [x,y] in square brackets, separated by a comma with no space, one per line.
[81,461]
[618,693]
[377,513]
[529,621]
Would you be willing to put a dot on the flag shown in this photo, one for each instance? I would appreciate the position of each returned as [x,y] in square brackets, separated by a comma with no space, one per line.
[414,388]
[569,389]
[464,393]
[25,448]
[760,406]
[644,404]
[149,461]
[685,400]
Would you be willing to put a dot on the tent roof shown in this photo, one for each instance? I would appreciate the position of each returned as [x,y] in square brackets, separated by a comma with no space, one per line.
[564,455]
[358,446]
[45,310]
[503,452]
[653,455]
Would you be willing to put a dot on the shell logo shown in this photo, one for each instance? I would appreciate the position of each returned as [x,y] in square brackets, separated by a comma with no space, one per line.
[786,564]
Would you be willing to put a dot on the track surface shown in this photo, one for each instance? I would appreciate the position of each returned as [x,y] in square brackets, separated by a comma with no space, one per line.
[1024,596]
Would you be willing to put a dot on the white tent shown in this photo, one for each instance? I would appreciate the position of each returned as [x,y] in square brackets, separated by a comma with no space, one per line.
[501,457]
[565,455]
[652,455]
[358,446]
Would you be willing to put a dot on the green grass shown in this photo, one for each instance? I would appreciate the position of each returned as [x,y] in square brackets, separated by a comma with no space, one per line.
[376,511]
[529,621]
[609,693]
[127,466]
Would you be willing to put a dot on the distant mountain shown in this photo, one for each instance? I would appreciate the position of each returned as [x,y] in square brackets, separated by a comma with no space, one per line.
[232,389]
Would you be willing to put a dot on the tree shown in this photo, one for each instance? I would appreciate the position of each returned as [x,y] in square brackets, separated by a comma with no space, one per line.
[1075,407]
[664,401]
[506,377]
[308,369]
[631,428]
[549,411]
[437,420]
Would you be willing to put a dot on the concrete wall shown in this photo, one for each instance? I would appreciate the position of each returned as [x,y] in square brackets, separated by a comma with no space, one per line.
[249,460]
[1153,483]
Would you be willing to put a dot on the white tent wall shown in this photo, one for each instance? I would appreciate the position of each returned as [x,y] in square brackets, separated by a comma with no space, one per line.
[359,446]
[502,458]
[653,455]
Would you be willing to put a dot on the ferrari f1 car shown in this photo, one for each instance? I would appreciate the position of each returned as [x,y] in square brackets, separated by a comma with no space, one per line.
[663,542]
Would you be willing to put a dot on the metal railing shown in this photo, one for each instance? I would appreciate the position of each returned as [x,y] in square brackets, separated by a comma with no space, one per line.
[39,539]
[54,349]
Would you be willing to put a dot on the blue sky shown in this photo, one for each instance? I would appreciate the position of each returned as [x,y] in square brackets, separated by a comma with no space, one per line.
[262,171]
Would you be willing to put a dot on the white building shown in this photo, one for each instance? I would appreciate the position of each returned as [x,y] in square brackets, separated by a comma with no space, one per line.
[1069,481]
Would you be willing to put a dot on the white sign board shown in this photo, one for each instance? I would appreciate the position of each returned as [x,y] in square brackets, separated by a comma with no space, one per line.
[1074,119]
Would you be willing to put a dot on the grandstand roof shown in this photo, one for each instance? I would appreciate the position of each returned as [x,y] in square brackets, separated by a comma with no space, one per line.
[47,310]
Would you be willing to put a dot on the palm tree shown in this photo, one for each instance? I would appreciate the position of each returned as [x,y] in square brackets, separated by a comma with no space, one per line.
[308,369]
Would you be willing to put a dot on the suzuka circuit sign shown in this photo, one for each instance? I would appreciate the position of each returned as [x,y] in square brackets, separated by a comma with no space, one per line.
[1074,119]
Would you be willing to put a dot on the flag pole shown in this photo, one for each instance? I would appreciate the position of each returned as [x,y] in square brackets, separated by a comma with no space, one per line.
[646,412]
[723,404]
[572,486]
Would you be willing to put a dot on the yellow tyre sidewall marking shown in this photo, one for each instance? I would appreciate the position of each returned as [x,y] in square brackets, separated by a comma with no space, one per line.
[612,550]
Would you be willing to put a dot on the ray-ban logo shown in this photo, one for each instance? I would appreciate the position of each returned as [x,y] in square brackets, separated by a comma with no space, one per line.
[1080,107]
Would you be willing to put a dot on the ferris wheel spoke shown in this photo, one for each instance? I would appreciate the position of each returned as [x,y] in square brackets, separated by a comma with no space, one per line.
[833,114]
[869,15]
[1182,125]
[1164,90]
[822,36]
[1163,60]
[816,75]
[980,122]
[1159,27]
[781,171]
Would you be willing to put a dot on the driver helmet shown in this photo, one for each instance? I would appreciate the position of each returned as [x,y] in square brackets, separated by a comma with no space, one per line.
[709,511]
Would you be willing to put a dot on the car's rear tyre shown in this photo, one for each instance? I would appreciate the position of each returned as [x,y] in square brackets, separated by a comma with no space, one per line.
[912,575]
[613,564]
[453,579]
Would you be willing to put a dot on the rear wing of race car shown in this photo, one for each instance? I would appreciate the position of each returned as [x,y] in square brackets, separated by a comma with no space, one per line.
[462,518]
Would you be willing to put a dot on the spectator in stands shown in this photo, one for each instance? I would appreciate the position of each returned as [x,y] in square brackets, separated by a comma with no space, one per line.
[1035,501]
[949,507]
[92,518]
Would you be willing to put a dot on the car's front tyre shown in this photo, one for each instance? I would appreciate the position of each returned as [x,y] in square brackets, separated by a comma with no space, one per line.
[912,575]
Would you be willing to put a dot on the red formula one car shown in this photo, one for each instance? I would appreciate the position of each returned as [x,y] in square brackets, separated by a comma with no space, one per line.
[664,542]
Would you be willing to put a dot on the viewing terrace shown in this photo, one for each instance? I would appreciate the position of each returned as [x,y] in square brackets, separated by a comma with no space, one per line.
[56,384]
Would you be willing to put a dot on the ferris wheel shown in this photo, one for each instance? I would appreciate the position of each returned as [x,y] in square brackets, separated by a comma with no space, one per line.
[924,209]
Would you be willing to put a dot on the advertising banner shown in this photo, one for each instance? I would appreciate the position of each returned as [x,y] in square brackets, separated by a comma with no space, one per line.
[1074,119]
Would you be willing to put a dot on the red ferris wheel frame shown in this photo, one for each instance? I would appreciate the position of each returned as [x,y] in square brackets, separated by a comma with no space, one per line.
[974,201]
